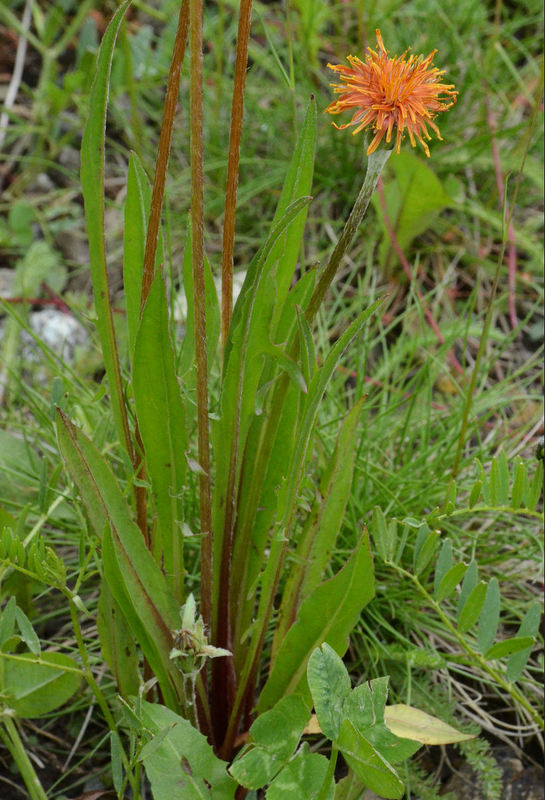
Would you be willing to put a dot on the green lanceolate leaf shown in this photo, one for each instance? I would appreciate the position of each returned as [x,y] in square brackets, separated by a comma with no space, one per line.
[444,563]
[468,584]
[92,182]
[28,634]
[117,643]
[161,419]
[267,455]
[367,763]
[137,205]
[520,484]
[129,581]
[327,615]
[472,608]
[509,646]
[324,522]
[450,581]
[134,578]
[528,627]
[384,534]
[490,616]
[425,546]
[248,340]
[37,685]
[179,762]
[298,183]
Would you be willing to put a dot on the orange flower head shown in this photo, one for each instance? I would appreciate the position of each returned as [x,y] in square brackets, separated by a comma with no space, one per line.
[387,92]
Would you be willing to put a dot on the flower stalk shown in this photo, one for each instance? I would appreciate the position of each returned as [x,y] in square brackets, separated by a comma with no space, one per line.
[237,112]
[197,230]
[375,164]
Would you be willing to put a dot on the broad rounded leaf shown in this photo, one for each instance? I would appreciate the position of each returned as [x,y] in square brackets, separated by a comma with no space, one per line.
[38,685]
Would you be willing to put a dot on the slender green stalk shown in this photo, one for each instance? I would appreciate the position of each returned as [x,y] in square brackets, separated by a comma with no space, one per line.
[488,318]
[197,226]
[375,165]
[13,742]
[237,112]
[330,774]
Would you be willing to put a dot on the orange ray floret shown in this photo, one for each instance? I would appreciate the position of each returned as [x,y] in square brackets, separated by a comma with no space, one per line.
[386,92]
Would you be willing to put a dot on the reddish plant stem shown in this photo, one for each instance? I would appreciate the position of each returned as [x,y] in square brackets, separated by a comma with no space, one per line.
[237,113]
[511,247]
[197,235]
[163,150]
[405,264]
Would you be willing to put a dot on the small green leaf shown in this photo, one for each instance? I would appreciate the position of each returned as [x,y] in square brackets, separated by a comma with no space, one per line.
[28,634]
[450,581]
[329,685]
[92,184]
[36,685]
[368,765]
[444,563]
[535,489]
[475,493]
[503,476]
[472,607]
[520,484]
[528,627]
[384,534]
[490,616]
[426,544]
[468,584]
[484,483]
[509,646]
[495,483]
[412,723]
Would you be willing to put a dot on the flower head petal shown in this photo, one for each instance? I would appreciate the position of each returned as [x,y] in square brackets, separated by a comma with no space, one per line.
[387,93]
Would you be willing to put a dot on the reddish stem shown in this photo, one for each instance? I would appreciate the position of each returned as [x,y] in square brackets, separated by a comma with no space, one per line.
[237,112]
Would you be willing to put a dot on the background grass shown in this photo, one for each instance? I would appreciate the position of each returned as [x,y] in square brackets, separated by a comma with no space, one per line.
[412,417]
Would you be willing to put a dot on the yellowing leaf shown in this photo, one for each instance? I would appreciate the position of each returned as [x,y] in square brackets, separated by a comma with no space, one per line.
[312,727]
[411,723]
